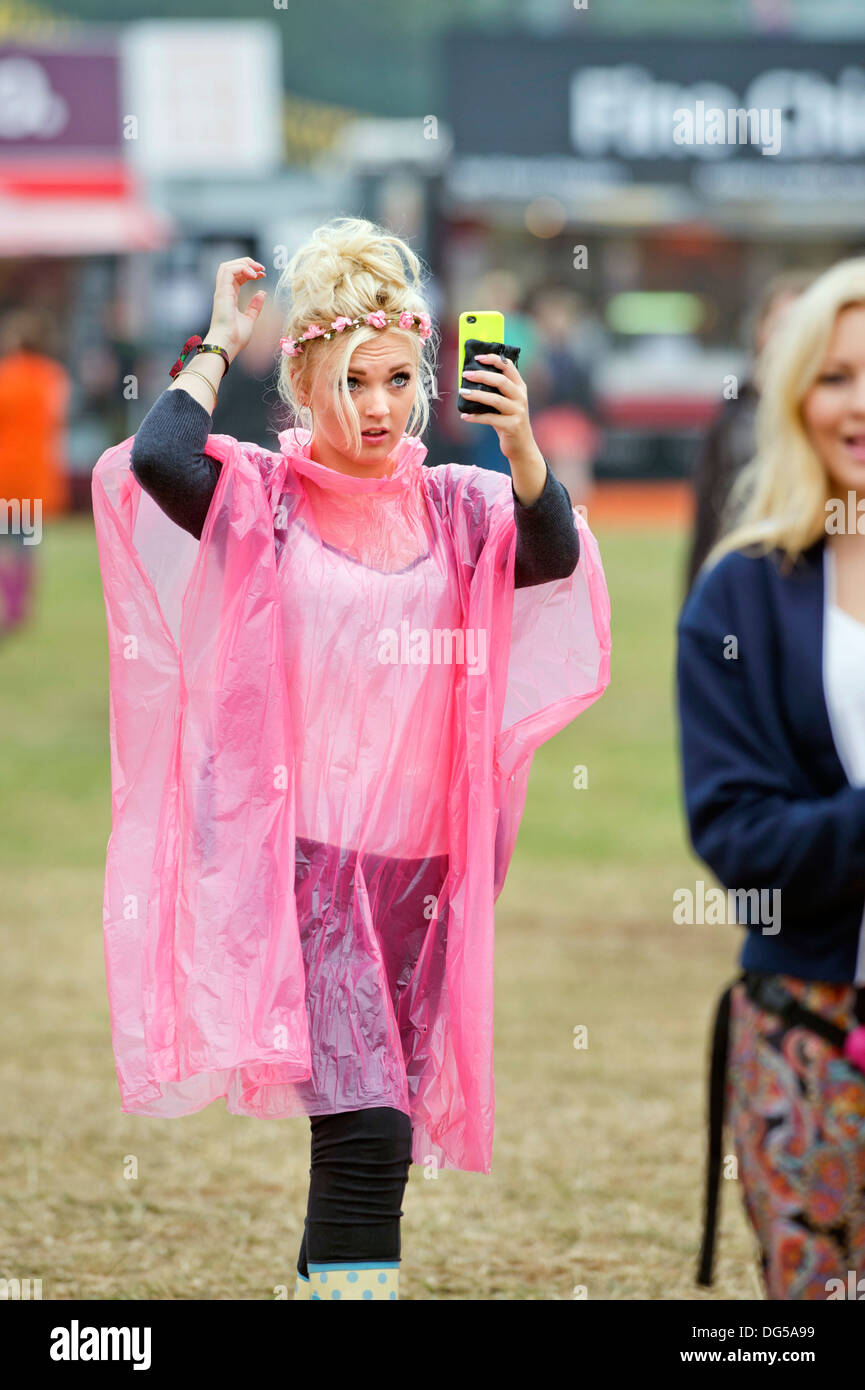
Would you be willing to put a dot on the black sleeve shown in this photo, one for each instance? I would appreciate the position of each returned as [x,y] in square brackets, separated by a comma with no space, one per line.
[745,818]
[548,543]
[169,461]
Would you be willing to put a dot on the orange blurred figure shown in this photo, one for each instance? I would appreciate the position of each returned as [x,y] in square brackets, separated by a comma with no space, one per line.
[34,483]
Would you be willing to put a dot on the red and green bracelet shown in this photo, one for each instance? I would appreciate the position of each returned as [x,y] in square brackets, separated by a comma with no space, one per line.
[190,348]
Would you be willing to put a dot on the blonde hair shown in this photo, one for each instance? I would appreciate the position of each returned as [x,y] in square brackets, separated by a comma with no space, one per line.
[350,267]
[779,499]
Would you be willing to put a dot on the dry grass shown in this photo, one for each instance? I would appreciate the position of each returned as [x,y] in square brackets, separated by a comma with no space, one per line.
[598,1158]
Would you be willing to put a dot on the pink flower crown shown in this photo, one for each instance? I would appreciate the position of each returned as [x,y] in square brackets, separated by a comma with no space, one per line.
[292,347]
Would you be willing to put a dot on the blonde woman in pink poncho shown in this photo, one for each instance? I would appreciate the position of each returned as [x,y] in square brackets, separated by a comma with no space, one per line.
[330,668]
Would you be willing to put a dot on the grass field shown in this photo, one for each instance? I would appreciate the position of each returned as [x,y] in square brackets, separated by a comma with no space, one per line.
[598,1159]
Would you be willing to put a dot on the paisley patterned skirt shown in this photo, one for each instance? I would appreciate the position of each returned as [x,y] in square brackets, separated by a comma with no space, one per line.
[796,1111]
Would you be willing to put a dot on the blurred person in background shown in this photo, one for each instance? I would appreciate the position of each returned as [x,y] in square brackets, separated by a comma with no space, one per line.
[729,441]
[107,367]
[34,484]
[771,680]
[249,403]
[559,375]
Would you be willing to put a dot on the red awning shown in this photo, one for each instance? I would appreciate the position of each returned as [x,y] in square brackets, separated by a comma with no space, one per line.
[75,208]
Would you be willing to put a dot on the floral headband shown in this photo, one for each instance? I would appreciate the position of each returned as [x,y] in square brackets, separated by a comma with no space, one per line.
[292,347]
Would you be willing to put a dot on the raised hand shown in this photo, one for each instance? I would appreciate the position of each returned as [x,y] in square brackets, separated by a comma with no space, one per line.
[230,327]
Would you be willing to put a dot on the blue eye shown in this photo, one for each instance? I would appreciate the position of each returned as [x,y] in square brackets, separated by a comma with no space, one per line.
[404,375]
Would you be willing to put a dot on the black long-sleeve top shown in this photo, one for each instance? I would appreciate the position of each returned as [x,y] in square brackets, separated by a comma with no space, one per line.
[169,462]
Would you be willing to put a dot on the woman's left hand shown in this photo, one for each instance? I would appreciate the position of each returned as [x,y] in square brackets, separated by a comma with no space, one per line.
[510,419]
[510,416]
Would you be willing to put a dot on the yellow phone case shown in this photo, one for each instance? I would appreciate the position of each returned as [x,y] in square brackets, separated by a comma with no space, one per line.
[487,324]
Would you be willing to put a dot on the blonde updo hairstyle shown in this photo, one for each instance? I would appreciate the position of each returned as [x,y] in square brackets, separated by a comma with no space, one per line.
[350,267]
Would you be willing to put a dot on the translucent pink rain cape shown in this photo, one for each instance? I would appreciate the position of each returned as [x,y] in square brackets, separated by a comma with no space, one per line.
[322,721]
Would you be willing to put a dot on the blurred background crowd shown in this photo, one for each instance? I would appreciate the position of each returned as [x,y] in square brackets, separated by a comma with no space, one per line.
[525,149]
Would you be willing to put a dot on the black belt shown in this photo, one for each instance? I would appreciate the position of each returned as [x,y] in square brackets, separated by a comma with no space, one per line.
[768,992]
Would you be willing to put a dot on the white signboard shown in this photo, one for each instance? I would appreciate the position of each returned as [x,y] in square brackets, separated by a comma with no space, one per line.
[202,98]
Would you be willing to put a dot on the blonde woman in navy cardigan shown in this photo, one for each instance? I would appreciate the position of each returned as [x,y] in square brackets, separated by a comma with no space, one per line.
[771,688]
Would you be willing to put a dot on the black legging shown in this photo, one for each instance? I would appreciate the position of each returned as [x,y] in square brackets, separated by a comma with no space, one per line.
[359,1169]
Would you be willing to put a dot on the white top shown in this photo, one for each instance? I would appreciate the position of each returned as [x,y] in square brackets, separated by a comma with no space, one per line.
[844,688]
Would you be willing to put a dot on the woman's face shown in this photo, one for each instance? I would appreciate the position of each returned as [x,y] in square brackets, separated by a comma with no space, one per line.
[381,382]
[834,408]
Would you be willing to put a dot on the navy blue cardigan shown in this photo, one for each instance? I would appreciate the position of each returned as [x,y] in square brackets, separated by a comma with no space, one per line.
[768,802]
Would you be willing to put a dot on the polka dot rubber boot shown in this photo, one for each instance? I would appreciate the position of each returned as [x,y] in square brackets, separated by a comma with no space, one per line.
[373,1279]
[301,1287]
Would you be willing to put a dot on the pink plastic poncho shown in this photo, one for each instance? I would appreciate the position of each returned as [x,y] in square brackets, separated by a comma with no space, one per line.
[322,720]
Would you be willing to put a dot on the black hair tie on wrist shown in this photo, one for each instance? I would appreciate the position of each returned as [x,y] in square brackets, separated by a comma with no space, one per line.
[191,348]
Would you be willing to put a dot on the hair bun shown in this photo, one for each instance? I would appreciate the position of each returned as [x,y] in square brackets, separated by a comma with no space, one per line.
[349,268]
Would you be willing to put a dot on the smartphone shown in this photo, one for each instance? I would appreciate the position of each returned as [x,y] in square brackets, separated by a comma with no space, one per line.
[488,324]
